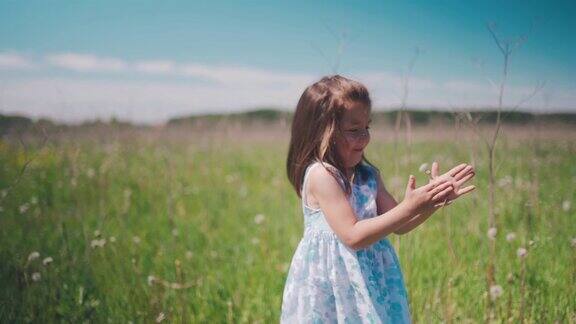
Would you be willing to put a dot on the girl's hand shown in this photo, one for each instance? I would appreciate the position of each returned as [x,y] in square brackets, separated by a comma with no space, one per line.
[428,196]
[460,174]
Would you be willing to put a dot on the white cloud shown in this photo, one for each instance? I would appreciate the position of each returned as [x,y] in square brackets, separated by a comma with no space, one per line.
[215,88]
[9,60]
[86,62]
[155,67]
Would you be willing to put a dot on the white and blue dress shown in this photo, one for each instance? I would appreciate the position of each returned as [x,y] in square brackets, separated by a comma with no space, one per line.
[328,282]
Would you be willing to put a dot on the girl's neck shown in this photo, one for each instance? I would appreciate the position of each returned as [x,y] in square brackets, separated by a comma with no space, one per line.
[350,174]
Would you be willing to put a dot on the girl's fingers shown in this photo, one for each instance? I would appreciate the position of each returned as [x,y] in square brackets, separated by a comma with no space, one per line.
[457,169]
[435,170]
[463,172]
[441,188]
[466,178]
[434,183]
[464,191]
[442,194]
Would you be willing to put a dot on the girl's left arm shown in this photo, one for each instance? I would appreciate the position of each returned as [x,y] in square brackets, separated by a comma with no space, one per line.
[385,202]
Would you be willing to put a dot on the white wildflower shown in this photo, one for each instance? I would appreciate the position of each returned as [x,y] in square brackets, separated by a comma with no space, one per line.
[97,243]
[521,252]
[495,291]
[175,285]
[531,242]
[112,239]
[160,317]
[492,233]
[47,261]
[258,219]
[510,237]
[94,303]
[566,204]
[507,180]
[36,276]
[33,200]
[423,167]
[151,280]
[34,255]
[136,240]
[97,233]
[23,208]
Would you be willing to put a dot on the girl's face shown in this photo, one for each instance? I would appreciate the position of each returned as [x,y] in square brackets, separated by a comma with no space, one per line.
[353,135]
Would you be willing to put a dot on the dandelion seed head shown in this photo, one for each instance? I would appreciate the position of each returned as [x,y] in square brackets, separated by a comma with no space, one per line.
[510,237]
[521,252]
[423,167]
[160,317]
[151,280]
[47,261]
[566,205]
[36,276]
[492,231]
[259,218]
[495,291]
[136,240]
[97,243]
[34,255]
[23,208]
[112,239]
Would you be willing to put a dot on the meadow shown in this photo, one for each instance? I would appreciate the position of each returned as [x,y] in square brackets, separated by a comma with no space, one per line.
[183,226]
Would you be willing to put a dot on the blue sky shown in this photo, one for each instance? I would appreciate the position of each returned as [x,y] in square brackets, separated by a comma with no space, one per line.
[149,61]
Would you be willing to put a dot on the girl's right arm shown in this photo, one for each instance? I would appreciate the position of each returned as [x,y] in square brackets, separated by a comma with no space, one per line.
[359,234]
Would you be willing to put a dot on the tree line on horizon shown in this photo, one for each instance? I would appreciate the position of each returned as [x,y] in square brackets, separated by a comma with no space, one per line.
[18,123]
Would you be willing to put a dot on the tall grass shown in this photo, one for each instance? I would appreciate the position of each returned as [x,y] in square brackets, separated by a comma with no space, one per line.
[204,231]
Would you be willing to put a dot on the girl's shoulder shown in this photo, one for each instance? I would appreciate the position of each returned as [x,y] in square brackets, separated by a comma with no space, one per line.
[328,170]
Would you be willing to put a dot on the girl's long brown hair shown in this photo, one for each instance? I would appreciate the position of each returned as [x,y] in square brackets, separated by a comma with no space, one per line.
[315,123]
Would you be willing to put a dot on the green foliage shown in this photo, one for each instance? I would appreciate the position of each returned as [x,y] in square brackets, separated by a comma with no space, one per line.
[139,228]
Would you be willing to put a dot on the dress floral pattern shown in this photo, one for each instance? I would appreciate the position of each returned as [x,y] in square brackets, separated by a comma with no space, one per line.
[328,282]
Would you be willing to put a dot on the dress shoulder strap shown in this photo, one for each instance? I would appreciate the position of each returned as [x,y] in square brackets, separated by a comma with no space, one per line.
[307,172]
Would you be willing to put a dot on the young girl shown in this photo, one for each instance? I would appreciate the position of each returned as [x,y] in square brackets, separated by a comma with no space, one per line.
[344,269]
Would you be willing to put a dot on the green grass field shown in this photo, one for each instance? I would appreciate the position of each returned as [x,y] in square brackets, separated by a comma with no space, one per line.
[203,230]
